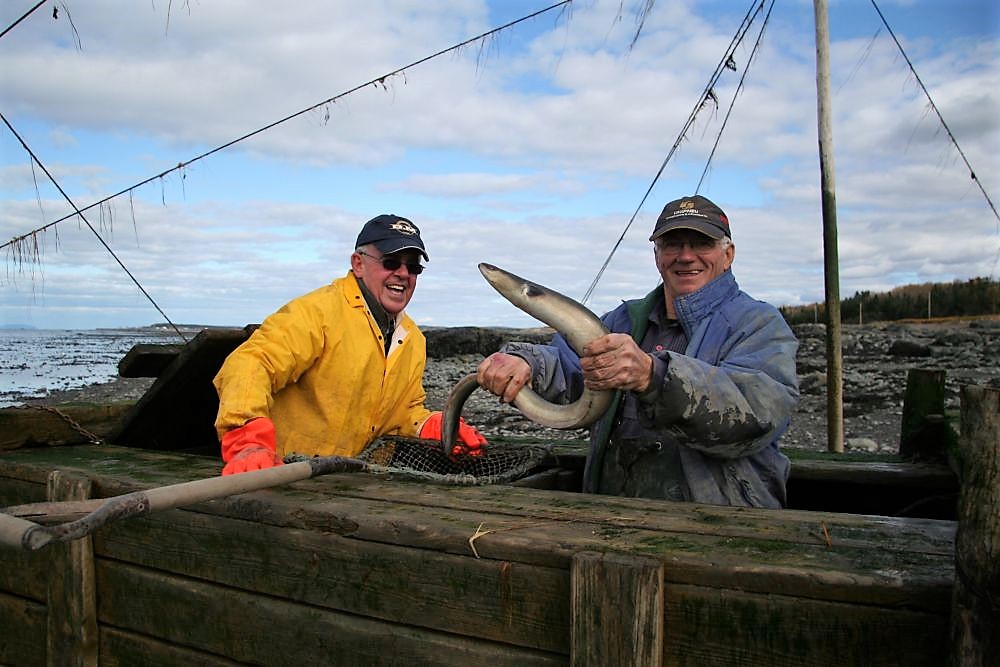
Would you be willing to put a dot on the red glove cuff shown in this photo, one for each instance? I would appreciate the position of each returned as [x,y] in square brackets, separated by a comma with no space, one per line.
[467,435]
[252,446]
[431,428]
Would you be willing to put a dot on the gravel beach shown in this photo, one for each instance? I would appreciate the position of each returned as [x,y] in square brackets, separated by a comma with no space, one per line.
[876,360]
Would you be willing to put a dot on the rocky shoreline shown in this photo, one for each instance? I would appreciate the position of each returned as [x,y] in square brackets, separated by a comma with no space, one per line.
[876,360]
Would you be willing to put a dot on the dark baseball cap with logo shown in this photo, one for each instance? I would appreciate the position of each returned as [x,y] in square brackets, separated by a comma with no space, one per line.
[695,212]
[391,233]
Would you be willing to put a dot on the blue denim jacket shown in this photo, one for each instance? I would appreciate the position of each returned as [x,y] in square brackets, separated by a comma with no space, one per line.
[719,408]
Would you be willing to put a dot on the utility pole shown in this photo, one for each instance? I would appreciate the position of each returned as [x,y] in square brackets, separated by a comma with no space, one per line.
[831,260]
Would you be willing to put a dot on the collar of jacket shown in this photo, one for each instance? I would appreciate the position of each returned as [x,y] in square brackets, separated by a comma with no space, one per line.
[692,308]
[353,293]
[361,290]
[385,323]
[638,311]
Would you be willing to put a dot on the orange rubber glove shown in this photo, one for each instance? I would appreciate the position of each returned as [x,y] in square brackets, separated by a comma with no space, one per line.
[470,441]
[252,446]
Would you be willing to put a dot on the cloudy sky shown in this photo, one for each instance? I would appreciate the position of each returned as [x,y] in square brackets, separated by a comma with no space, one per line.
[531,149]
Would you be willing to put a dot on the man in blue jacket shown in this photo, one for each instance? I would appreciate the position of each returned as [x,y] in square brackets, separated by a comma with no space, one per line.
[705,377]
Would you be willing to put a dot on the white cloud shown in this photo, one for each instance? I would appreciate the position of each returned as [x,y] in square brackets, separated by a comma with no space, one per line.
[531,152]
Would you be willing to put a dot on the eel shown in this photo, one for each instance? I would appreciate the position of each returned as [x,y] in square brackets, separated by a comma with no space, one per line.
[573,320]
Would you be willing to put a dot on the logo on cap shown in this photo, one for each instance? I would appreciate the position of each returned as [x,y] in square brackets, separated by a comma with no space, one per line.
[403,227]
[686,204]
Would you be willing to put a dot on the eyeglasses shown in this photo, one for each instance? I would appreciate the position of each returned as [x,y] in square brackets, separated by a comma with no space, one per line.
[699,245]
[393,263]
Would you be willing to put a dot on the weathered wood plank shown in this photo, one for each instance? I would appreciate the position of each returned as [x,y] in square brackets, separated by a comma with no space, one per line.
[115,469]
[975,626]
[343,543]
[72,618]
[706,626]
[123,470]
[22,638]
[24,573]
[15,490]
[616,610]
[266,630]
[44,426]
[898,561]
[487,599]
[890,488]
[894,489]
[929,536]
[923,430]
[881,574]
[924,475]
[178,411]
[127,649]
[148,360]
[546,479]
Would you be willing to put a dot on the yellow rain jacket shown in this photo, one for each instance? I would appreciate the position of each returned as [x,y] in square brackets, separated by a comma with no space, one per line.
[318,369]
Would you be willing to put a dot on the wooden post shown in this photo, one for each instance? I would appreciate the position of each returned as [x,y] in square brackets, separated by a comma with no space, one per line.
[923,432]
[831,259]
[72,598]
[617,610]
[975,608]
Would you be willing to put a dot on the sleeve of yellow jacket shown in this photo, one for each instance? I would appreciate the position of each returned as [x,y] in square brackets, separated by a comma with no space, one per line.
[318,369]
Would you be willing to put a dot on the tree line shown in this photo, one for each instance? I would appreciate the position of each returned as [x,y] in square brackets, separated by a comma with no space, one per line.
[974,297]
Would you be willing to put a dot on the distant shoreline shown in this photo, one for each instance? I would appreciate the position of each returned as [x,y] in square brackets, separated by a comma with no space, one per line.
[195,328]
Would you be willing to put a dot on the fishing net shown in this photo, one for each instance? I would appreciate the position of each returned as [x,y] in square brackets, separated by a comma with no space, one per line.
[425,460]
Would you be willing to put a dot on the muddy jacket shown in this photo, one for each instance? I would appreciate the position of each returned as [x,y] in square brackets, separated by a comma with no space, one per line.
[707,429]
[319,370]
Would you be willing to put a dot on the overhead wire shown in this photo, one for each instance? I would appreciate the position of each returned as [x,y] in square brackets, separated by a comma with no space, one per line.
[377,81]
[930,100]
[14,242]
[23,16]
[732,102]
[707,93]
[89,226]
[861,60]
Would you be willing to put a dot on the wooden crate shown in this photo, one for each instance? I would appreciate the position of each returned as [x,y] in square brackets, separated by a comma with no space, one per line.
[361,569]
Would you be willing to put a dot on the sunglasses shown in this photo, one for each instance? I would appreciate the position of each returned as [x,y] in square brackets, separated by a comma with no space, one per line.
[699,244]
[393,263]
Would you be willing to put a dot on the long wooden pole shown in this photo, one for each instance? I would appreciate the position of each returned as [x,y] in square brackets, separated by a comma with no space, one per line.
[975,610]
[831,261]
[22,533]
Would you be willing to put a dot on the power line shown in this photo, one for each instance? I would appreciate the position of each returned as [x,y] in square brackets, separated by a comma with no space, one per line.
[26,15]
[91,227]
[707,95]
[732,102]
[378,81]
[972,172]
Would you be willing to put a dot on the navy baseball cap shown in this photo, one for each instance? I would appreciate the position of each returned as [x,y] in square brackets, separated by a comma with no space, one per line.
[391,233]
[697,213]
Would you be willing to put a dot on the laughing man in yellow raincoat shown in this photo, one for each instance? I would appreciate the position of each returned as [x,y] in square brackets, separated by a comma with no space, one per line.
[336,368]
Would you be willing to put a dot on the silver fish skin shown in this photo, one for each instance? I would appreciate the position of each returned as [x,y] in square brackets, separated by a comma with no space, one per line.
[574,321]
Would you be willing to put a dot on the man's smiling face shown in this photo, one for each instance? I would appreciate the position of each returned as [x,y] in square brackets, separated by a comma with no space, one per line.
[688,260]
[392,288]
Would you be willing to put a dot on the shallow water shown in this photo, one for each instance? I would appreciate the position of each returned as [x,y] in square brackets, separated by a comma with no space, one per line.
[37,362]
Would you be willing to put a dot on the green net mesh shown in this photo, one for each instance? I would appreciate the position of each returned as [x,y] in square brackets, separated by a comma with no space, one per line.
[425,460]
